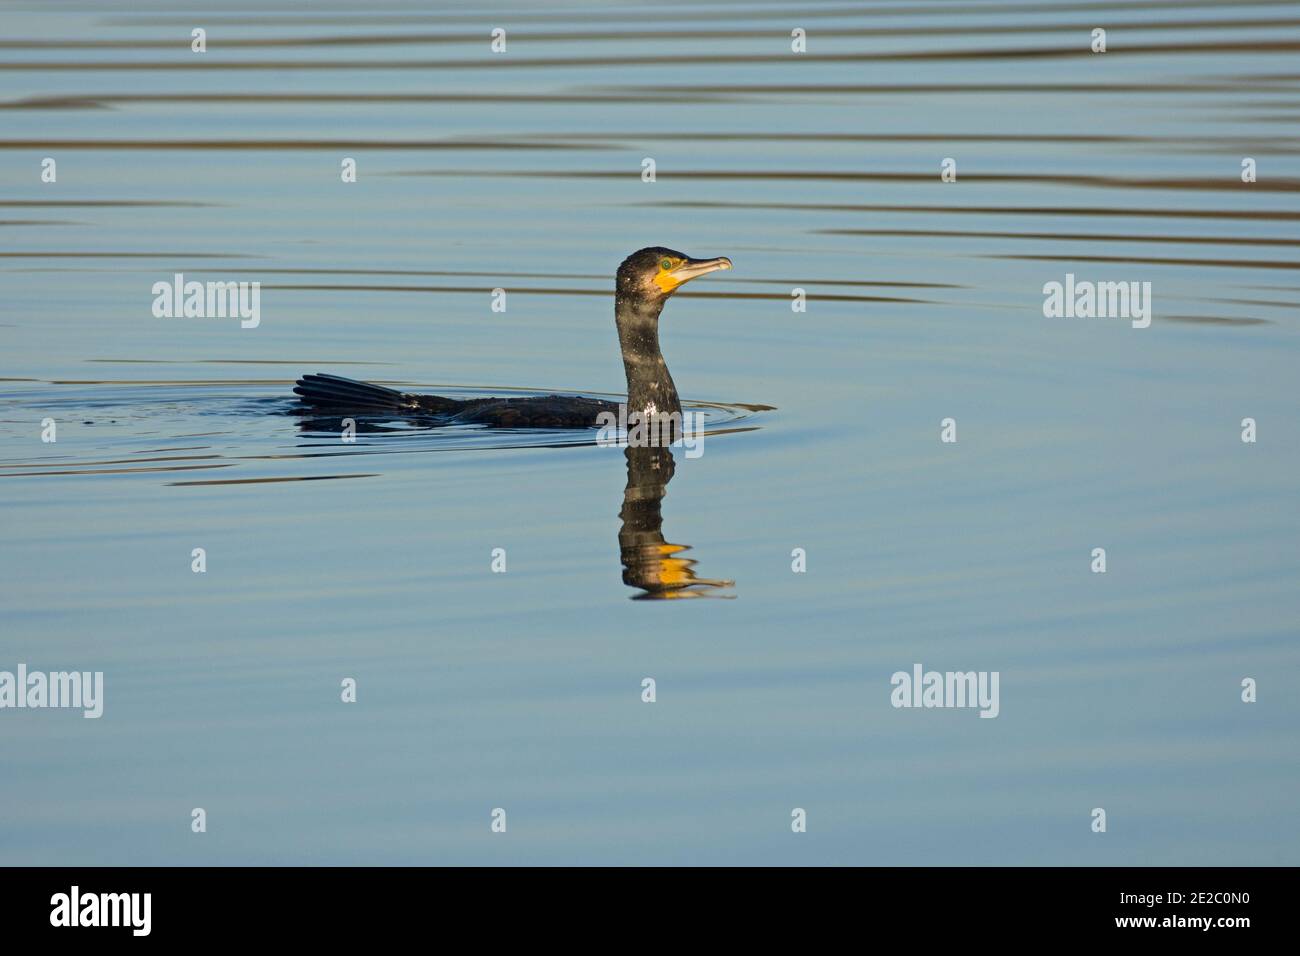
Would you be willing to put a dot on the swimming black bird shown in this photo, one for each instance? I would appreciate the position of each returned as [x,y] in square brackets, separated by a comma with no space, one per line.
[642,285]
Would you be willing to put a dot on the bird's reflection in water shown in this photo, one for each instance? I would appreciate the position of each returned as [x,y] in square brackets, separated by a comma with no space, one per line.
[649,562]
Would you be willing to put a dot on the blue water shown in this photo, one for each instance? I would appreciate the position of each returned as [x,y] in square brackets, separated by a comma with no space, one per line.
[522,690]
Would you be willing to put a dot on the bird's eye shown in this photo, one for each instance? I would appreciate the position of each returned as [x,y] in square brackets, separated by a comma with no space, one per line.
[666,264]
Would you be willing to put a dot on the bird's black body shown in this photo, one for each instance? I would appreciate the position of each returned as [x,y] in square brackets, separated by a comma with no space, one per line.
[330,393]
[643,284]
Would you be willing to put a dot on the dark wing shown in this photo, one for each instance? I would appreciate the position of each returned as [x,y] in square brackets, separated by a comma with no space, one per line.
[335,394]
[547,411]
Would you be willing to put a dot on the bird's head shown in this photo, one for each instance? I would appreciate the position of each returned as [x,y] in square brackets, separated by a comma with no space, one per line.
[655,273]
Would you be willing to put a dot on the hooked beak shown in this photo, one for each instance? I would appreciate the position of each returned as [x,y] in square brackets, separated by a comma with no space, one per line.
[692,268]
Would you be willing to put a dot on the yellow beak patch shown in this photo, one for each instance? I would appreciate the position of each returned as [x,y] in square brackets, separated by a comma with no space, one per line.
[666,281]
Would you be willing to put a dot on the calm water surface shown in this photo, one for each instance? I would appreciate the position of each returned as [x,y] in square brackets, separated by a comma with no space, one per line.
[522,690]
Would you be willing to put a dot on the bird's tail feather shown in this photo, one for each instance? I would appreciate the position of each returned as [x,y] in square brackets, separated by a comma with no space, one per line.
[339,392]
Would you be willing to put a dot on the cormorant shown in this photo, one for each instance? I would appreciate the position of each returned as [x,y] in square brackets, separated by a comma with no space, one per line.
[642,285]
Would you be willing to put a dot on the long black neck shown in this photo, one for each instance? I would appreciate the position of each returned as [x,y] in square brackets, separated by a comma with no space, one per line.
[650,388]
